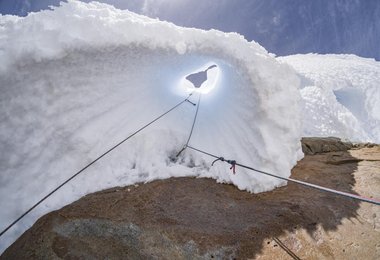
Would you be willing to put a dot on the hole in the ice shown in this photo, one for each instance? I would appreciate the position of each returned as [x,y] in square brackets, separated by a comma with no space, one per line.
[199,78]
[202,81]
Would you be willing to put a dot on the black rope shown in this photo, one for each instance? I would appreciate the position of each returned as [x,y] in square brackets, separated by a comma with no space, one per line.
[341,193]
[192,127]
[91,163]
[191,102]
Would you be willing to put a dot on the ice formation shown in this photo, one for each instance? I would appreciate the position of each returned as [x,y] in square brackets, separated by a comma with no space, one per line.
[341,95]
[78,79]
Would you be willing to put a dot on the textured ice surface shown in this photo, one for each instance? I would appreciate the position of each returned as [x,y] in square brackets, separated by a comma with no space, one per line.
[341,95]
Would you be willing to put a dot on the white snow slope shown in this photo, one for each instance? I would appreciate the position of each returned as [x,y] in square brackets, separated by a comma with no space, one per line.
[76,80]
[341,95]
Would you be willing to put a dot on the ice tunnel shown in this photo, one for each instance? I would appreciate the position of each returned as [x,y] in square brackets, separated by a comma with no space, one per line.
[90,75]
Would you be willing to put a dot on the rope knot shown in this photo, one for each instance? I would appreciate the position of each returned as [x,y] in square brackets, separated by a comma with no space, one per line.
[232,162]
[233,165]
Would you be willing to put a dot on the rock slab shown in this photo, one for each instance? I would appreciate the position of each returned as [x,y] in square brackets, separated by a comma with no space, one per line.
[190,218]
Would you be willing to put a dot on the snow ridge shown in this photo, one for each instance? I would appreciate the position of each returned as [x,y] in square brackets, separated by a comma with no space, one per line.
[341,95]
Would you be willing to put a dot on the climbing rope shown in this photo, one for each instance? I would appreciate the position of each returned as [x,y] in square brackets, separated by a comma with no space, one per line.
[94,161]
[233,164]
[192,126]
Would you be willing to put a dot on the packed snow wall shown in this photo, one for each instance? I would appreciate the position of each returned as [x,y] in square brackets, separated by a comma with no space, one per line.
[78,79]
[340,95]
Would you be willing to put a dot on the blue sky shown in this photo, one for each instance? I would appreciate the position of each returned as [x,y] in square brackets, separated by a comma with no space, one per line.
[282,26]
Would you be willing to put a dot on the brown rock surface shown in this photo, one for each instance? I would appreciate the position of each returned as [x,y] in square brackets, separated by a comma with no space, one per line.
[315,145]
[188,218]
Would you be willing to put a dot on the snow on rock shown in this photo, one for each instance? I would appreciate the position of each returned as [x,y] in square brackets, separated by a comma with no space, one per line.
[76,80]
[341,95]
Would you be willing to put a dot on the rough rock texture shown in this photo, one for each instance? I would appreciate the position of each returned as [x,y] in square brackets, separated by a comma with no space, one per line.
[314,145]
[188,218]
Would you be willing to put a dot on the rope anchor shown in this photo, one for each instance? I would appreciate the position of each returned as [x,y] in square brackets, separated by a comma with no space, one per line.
[233,166]
[307,184]
[232,162]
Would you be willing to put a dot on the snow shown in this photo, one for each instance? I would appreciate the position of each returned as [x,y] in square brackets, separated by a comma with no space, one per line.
[78,79]
[341,95]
